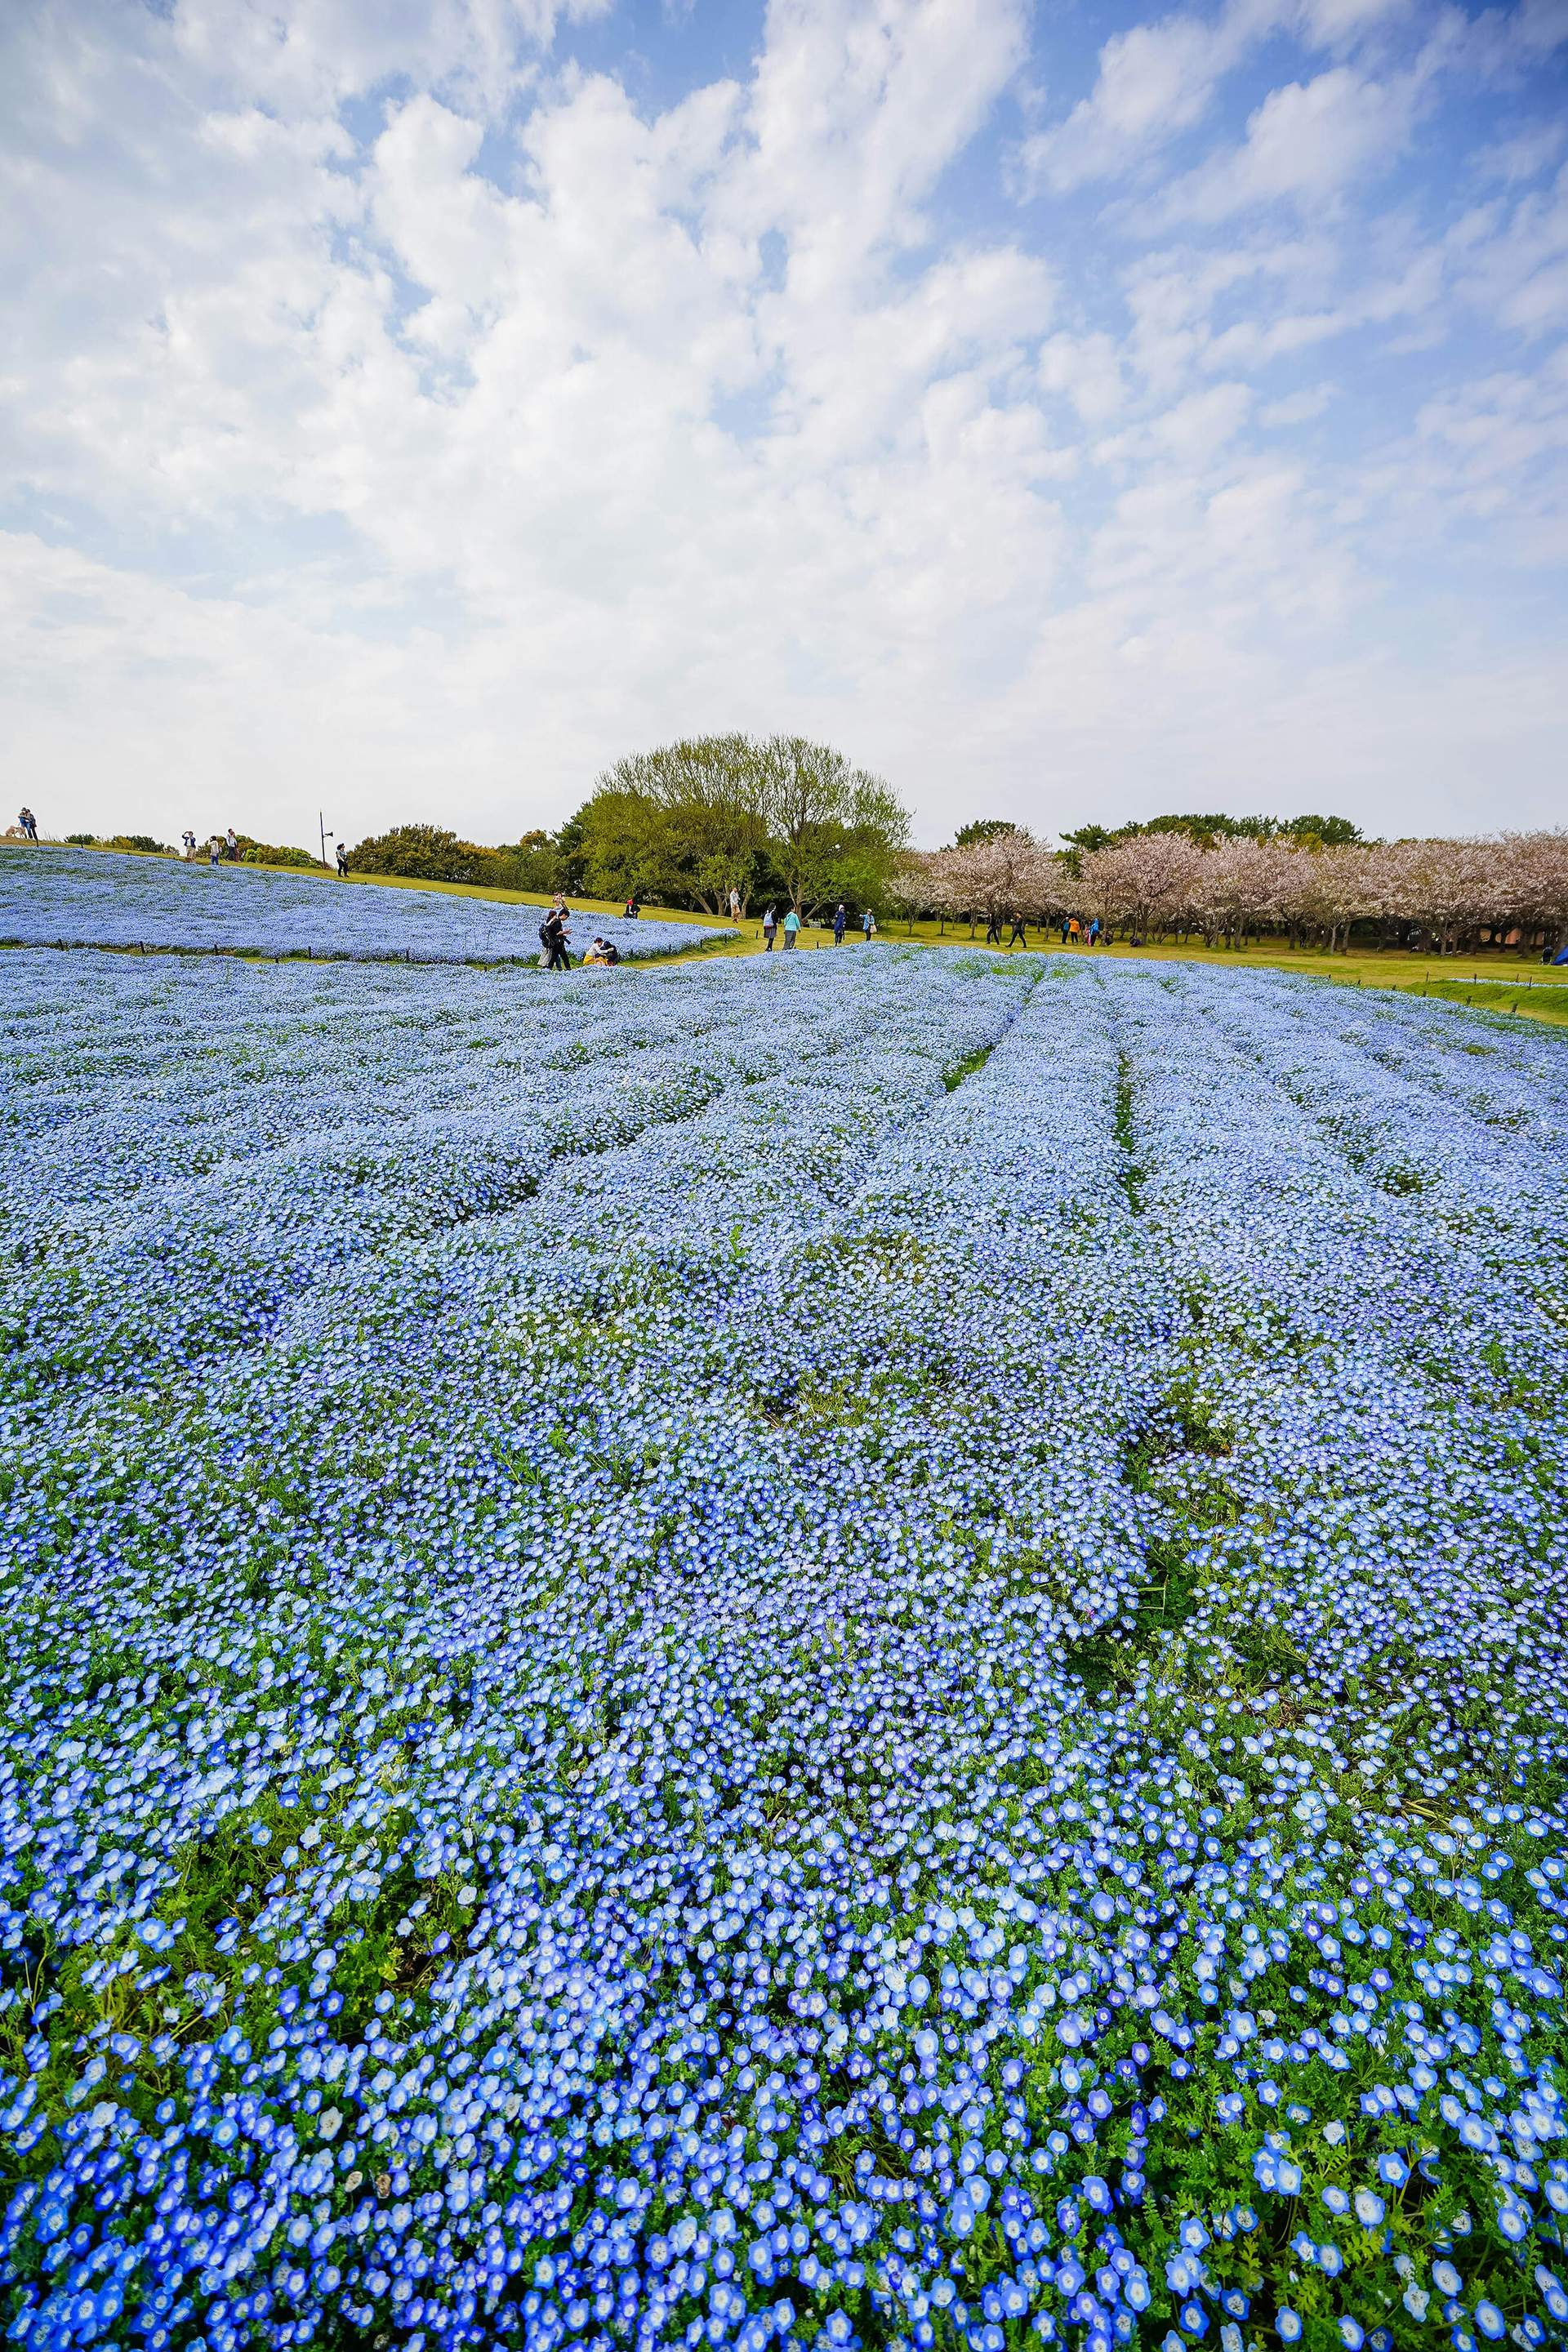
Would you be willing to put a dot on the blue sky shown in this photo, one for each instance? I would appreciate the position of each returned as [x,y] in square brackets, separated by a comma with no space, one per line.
[1072,413]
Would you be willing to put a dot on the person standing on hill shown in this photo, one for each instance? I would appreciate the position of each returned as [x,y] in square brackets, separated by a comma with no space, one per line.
[734,903]
[840,918]
[869,925]
[29,824]
[1094,932]
[770,925]
[231,842]
[791,927]
[343,861]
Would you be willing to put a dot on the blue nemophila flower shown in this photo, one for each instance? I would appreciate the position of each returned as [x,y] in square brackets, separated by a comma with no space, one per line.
[99,899]
[672,1508]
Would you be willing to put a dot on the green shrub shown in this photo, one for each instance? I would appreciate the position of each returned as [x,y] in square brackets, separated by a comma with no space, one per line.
[272,853]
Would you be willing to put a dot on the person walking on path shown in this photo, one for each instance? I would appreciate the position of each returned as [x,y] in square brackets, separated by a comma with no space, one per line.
[869,925]
[770,925]
[1018,936]
[215,846]
[993,930]
[840,918]
[791,927]
[231,842]
[552,939]
[29,824]
[734,903]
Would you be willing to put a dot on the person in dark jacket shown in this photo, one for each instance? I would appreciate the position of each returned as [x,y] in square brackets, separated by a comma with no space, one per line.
[552,939]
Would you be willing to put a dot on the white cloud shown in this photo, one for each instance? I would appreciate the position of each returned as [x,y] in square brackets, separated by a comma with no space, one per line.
[1296,408]
[1088,370]
[1327,22]
[1154,81]
[1513,263]
[416,456]
[310,55]
[1306,145]
[1523,154]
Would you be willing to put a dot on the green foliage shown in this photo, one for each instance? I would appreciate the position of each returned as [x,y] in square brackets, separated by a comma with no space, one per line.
[982,828]
[428,853]
[1309,832]
[143,843]
[785,819]
[268,853]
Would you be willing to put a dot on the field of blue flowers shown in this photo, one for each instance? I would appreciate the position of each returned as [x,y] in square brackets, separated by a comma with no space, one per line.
[97,897]
[859,1652]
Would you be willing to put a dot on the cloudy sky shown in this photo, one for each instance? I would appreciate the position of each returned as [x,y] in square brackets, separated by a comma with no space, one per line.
[1069,411]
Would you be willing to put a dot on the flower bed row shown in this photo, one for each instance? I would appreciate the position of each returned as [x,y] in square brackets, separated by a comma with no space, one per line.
[861,1653]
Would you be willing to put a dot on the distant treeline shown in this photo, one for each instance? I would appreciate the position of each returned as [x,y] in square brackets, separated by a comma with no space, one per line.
[784,821]
[248,852]
[1226,881]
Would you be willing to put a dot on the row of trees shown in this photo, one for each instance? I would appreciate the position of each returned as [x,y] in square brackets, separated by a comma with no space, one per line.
[427,854]
[777,819]
[1306,832]
[786,820]
[1448,895]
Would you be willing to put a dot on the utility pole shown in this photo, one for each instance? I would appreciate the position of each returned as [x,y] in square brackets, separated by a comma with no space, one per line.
[321,820]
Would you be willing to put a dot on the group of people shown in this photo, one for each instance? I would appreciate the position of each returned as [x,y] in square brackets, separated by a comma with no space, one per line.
[791,925]
[29,824]
[219,845]
[552,939]
[1075,933]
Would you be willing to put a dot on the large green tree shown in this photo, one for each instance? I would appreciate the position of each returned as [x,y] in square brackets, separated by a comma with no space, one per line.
[692,821]
[836,831]
[701,807]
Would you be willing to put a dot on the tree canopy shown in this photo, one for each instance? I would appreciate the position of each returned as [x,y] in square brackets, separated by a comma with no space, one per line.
[692,821]
[1207,832]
